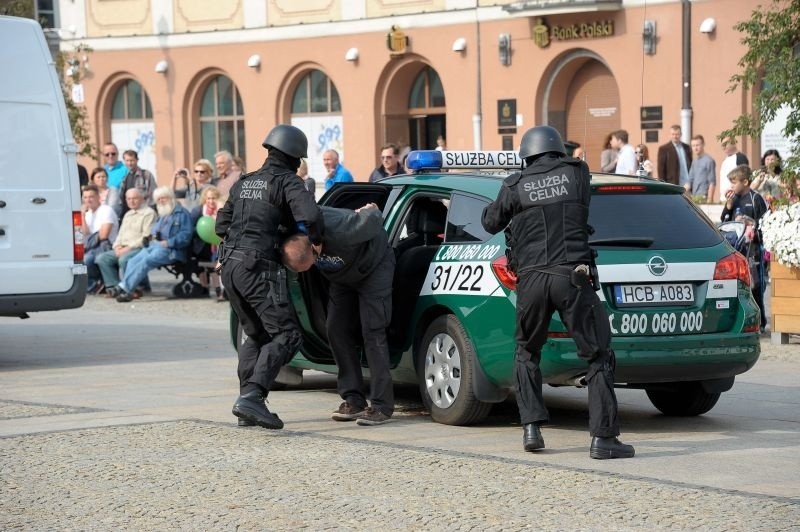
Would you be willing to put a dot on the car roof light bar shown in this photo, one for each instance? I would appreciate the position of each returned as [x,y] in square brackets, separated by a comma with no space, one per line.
[477,160]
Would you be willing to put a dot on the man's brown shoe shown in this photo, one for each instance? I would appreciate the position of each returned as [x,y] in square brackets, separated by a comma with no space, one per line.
[370,417]
[347,412]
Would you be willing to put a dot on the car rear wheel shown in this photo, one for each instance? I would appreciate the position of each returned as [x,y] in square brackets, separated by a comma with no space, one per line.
[682,399]
[446,365]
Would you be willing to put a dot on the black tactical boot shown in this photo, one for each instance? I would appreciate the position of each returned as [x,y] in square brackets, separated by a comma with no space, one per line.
[245,423]
[251,407]
[532,437]
[605,448]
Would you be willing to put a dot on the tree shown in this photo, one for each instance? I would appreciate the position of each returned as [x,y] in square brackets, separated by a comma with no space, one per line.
[17,8]
[70,69]
[771,64]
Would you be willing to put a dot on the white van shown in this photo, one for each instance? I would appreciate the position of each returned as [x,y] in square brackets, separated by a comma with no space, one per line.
[41,242]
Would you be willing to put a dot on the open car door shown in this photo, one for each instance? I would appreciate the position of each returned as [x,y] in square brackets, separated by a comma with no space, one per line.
[309,290]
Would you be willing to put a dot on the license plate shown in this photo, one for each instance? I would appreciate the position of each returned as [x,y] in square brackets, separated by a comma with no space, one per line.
[641,295]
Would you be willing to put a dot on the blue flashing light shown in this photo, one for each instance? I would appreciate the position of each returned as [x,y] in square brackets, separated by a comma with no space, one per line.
[452,159]
[424,160]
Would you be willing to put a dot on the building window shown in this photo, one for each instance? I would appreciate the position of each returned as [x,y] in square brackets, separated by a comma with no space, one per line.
[132,126]
[221,119]
[46,13]
[427,91]
[131,103]
[316,94]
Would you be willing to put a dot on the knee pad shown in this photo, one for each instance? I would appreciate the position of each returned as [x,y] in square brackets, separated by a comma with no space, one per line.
[294,340]
[605,363]
[290,342]
[253,342]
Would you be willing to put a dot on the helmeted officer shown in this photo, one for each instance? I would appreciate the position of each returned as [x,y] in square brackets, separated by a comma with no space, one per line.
[547,204]
[260,205]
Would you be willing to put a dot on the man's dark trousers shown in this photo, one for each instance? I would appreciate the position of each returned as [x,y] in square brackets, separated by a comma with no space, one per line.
[539,294]
[371,299]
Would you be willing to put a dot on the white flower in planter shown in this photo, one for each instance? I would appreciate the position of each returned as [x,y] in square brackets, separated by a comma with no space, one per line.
[781,234]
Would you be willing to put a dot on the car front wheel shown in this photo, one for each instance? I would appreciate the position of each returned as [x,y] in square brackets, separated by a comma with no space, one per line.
[682,399]
[446,365]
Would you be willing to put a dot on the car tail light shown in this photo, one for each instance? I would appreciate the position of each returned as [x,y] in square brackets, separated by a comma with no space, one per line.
[506,277]
[77,237]
[734,266]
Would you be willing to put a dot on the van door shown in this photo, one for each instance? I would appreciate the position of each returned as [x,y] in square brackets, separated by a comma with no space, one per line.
[39,188]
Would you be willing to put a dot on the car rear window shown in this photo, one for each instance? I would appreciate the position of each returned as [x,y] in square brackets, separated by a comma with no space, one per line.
[659,221]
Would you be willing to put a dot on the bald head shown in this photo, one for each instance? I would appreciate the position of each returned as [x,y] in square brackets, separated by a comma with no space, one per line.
[297,254]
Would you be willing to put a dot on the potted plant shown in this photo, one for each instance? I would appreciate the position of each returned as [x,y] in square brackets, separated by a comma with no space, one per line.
[780,230]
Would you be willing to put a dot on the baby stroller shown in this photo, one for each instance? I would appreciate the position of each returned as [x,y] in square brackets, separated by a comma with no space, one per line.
[735,232]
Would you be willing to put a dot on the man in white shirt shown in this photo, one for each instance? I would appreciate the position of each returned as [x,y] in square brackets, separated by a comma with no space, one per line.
[100,226]
[626,159]
[733,158]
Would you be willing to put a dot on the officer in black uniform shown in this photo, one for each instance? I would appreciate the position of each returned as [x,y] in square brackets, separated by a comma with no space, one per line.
[260,205]
[547,205]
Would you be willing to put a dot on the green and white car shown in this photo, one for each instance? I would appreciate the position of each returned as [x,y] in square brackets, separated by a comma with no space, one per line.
[678,296]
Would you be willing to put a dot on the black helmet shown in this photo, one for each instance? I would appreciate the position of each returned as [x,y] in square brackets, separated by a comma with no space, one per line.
[541,139]
[288,139]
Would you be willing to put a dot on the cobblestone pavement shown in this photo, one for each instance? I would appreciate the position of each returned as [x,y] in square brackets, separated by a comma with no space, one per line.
[157,471]
[201,476]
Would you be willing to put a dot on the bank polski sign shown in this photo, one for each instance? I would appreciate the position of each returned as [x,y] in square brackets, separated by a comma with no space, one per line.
[542,33]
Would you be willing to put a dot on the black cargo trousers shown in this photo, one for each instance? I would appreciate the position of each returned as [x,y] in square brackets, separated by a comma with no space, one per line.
[259,296]
[539,294]
[359,311]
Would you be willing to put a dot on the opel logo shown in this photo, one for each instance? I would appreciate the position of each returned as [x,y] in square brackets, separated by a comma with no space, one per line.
[657,266]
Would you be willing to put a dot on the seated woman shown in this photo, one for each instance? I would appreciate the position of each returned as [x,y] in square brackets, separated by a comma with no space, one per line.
[203,251]
[108,195]
[185,188]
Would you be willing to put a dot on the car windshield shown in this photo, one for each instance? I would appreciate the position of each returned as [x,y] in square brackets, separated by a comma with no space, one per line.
[658,221]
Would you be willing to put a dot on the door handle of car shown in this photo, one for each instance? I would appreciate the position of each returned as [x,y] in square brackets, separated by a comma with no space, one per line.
[38,201]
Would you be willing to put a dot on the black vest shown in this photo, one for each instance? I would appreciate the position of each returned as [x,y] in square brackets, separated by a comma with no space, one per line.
[550,226]
[258,210]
